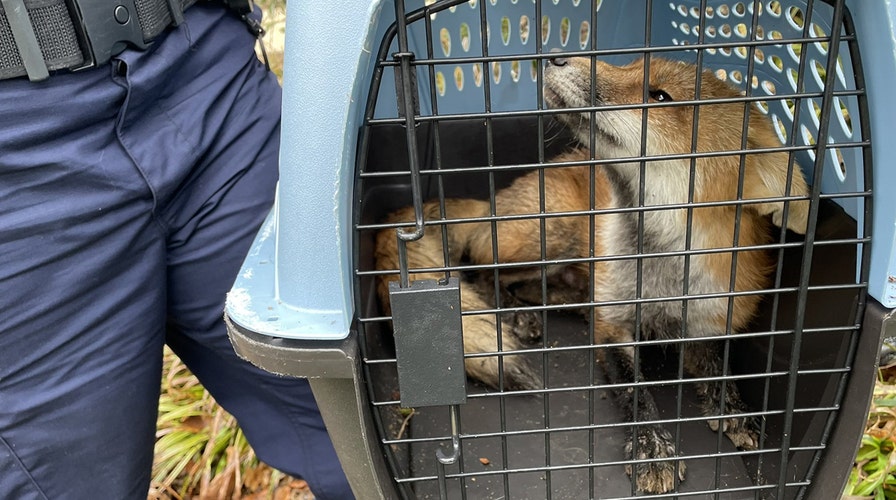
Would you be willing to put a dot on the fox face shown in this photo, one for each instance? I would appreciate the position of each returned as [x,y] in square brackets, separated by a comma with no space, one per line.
[717,125]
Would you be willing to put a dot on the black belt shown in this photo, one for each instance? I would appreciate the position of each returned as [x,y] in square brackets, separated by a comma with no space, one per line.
[38,36]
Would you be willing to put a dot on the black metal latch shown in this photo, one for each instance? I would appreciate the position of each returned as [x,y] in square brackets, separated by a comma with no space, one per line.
[428,342]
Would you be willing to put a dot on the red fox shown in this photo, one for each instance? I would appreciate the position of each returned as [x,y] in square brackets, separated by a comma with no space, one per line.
[680,205]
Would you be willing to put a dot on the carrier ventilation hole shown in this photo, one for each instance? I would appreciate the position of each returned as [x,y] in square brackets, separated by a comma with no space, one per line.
[685,28]
[465,36]
[760,33]
[780,128]
[545,29]
[789,107]
[597,4]
[496,71]
[741,30]
[769,87]
[741,52]
[427,3]
[575,3]
[711,31]
[711,51]
[819,32]
[819,72]
[775,35]
[477,74]
[445,41]
[440,83]
[808,140]
[723,10]
[795,17]
[505,30]
[493,2]
[774,8]
[459,78]
[736,76]
[839,164]
[726,51]
[695,12]
[754,82]
[524,29]
[795,49]
[682,10]
[792,77]
[725,30]
[564,31]
[759,55]
[533,69]
[556,2]
[762,106]
[721,74]
[515,71]
[472,3]
[844,118]
[816,117]
[739,9]
[584,34]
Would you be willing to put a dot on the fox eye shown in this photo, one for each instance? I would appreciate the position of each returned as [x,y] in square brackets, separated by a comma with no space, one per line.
[660,96]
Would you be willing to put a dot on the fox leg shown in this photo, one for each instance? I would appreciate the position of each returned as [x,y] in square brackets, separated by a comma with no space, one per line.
[481,336]
[480,330]
[702,360]
[647,441]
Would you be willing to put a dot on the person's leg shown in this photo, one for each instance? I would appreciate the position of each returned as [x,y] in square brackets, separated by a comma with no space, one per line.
[82,279]
[224,122]
[90,164]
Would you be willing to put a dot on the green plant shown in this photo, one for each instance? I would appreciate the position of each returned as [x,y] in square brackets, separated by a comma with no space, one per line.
[201,452]
[874,474]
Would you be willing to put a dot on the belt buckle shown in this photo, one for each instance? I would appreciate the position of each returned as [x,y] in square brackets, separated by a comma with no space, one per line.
[105,29]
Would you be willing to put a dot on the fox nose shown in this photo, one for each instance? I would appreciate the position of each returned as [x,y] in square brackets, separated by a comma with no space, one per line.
[558,60]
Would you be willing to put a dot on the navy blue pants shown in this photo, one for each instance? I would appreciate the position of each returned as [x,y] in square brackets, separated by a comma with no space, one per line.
[129,195]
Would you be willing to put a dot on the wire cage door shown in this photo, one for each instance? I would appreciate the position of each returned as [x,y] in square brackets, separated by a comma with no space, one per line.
[653,218]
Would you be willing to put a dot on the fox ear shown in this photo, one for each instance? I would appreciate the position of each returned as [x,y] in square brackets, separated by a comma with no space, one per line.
[766,177]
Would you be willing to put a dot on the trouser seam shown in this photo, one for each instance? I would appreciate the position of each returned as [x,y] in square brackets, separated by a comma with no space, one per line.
[163,228]
[22,467]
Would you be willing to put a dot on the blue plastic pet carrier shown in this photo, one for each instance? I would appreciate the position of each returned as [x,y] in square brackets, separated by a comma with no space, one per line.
[412,103]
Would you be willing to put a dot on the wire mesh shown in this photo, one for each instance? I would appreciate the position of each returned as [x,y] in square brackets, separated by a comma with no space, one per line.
[598,412]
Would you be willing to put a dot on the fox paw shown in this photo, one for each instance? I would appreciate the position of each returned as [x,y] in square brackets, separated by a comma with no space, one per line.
[527,326]
[742,431]
[654,477]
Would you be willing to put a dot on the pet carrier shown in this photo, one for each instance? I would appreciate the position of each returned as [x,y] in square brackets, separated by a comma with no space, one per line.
[538,248]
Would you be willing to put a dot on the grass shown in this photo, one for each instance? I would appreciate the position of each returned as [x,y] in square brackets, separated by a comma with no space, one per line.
[201,452]
[874,473]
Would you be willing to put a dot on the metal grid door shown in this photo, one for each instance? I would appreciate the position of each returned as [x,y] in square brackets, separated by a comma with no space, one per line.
[610,362]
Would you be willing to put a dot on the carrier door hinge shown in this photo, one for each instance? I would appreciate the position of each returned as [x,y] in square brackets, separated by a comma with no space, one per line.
[406,85]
